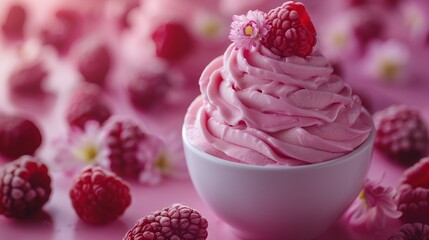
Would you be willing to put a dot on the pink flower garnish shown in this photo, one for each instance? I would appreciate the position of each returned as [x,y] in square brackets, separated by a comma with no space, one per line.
[80,148]
[165,161]
[247,30]
[388,62]
[374,205]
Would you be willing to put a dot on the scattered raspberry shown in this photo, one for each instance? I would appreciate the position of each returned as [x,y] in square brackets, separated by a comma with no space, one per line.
[62,31]
[99,196]
[130,148]
[291,31]
[401,134]
[147,89]
[411,231]
[25,186]
[18,137]
[368,28]
[94,63]
[355,3]
[28,79]
[172,41]
[414,204]
[124,139]
[174,222]
[86,104]
[383,3]
[390,3]
[13,26]
[417,175]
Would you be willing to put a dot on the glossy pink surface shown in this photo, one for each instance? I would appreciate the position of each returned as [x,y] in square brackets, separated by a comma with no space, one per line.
[59,221]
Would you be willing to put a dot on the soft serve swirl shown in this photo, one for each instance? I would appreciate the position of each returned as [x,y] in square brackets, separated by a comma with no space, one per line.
[262,109]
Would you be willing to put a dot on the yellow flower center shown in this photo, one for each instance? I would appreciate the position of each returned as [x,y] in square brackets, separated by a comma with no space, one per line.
[362,195]
[87,154]
[162,163]
[389,69]
[340,40]
[248,30]
[211,29]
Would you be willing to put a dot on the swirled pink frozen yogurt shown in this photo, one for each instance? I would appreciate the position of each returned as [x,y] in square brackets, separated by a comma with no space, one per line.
[261,106]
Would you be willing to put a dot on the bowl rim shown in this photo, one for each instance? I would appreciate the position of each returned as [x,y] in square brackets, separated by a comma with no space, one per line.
[367,144]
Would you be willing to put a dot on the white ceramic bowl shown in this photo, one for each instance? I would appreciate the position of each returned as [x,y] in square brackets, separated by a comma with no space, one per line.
[272,202]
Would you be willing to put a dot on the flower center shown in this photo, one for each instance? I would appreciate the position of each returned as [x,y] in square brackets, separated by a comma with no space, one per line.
[389,69]
[211,29]
[88,153]
[362,195]
[162,163]
[248,30]
[340,40]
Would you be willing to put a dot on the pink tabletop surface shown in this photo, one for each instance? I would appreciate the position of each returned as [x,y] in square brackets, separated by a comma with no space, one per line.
[59,221]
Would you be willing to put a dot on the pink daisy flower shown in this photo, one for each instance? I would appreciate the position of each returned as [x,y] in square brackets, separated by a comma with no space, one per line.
[135,153]
[167,162]
[374,205]
[247,30]
[80,148]
[156,163]
[388,62]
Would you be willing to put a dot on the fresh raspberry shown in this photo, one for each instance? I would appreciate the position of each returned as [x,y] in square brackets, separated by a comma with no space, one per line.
[130,148]
[172,41]
[411,231]
[86,104]
[368,28]
[13,26]
[28,79]
[291,31]
[401,134]
[25,186]
[94,63]
[391,3]
[355,3]
[123,140]
[417,175]
[147,88]
[62,31]
[18,136]
[414,204]
[383,3]
[99,196]
[175,222]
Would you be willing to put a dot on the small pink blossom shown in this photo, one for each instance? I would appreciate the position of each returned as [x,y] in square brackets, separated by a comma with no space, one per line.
[373,207]
[167,161]
[247,30]
[80,148]
[153,152]
[388,61]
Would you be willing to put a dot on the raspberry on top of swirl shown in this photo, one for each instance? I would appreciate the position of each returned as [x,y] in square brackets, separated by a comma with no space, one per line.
[286,30]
